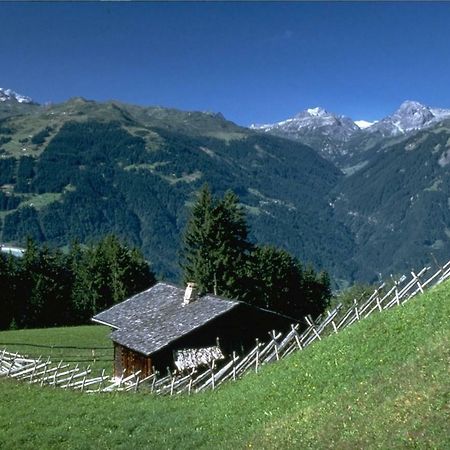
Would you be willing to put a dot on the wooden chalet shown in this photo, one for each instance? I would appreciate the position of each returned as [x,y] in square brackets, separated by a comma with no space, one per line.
[152,326]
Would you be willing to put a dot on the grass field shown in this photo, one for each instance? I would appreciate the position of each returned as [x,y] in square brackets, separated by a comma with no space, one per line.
[381,384]
[86,345]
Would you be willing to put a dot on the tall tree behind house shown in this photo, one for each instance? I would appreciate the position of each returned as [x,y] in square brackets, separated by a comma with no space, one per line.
[218,256]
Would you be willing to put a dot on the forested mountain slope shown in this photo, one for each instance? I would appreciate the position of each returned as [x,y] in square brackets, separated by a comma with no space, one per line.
[398,205]
[81,169]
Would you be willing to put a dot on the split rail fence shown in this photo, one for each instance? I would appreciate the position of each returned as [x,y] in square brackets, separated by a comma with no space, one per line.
[67,376]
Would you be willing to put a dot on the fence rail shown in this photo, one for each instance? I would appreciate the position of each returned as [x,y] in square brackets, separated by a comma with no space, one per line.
[65,375]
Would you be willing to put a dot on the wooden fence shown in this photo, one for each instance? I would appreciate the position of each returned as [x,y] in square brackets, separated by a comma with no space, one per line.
[67,376]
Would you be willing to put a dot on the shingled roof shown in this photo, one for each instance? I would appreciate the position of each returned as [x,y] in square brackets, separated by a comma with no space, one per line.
[150,320]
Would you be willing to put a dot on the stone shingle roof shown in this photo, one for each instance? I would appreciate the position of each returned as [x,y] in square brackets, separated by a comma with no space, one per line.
[150,320]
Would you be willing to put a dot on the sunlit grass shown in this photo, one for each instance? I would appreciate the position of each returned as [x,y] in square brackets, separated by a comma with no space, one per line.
[382,383]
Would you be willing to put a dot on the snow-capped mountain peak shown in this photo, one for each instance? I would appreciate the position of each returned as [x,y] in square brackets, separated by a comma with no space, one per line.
[410,116]
[316,127]
[312,119]
[316,112]
[338,137]
[363,124]
[10,95]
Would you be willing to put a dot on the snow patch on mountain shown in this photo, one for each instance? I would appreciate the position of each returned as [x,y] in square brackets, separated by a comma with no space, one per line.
[363,124]
[340,139]
[317,112]
[10,95]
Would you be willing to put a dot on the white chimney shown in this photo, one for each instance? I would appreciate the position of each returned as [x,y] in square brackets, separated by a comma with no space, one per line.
[190,294]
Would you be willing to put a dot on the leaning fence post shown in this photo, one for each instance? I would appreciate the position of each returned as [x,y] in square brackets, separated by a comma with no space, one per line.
[100,386]
[356,309]
[154,379]
[136,386]
[397,297]
[378,301]
[310,322]
[172,383]
[297,340]
[190,381]
[273,335]
[416,278]
[257,355]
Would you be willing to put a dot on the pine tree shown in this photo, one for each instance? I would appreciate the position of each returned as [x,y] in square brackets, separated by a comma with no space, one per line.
[198,243]
[106,274]
[8,281]
[215,247]
[277,281]
[218,257]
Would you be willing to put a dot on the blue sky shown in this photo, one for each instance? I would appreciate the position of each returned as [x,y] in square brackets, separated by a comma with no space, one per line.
[254,62]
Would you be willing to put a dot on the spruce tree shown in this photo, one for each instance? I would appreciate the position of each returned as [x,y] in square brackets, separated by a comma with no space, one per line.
[106,274]
[219,258]
[277,281]
[8,281]
[198,243]
[215,247]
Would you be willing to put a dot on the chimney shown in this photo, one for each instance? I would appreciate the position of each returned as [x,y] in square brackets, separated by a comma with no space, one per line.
[190,294]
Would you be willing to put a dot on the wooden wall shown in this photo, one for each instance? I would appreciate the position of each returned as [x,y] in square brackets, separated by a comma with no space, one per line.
[236,331]
[130,361]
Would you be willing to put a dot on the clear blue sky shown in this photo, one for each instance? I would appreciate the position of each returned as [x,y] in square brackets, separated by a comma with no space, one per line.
[254,62]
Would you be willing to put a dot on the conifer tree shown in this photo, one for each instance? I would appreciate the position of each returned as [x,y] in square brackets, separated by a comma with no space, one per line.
[277,281]
[106,274]
[218,257]
[8,281]
[215,246]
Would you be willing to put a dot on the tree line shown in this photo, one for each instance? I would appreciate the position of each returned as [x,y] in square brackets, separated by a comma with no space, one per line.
[48,287]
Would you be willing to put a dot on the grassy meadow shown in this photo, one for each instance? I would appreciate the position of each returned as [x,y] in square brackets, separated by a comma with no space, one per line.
[383,383]
[89,344]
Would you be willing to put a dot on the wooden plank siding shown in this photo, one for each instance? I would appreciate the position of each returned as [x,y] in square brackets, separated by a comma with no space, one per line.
[127,362]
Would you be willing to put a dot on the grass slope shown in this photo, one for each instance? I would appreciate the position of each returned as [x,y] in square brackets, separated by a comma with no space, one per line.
[382,383]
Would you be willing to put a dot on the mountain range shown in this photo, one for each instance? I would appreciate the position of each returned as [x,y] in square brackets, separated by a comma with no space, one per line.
[348,143]
[356,200]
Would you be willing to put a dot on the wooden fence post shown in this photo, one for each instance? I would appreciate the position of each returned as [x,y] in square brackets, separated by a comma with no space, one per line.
[355,303]
[273,335]
[257,355]
[212,375]
[416,278]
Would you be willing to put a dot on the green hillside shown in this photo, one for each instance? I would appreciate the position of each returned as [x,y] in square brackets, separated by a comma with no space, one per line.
[81,169]
[382,383]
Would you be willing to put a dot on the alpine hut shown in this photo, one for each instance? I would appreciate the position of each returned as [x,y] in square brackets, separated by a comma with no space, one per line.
[151,328]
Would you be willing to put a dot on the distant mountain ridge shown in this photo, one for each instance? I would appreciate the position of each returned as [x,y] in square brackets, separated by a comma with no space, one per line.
[340,139]
[81,169]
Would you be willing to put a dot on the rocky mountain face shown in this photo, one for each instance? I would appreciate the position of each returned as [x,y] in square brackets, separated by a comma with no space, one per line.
[326,132]
[350,144]
[410,116]
[8,95]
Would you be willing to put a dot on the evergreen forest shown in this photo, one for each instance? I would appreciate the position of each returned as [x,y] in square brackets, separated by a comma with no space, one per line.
[47,287]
